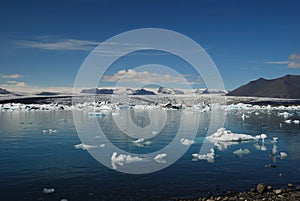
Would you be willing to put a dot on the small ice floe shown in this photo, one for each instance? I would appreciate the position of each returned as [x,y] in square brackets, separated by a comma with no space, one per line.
[209,156]
[87,146]
[48,190]
[187,142]
[226,135]
[275,139]
[284,114]
[141,142]
[283,155]
[296,121]
[261,136]
[160,158]
[50,131]
[270,166]
[288,121]
[122,159]
[241,152]
[244,117]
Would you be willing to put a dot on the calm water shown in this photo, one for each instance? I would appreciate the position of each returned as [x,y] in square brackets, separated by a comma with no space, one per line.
[31,160]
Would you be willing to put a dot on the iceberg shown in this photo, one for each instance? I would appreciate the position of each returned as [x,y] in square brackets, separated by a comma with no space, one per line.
[122,159]
[225,135]
[209,156]
[48,190]
[160,158]
[187,142]
[87,146]
[141,142]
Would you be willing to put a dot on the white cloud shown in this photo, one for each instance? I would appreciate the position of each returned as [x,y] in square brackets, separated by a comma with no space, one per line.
[277,62]
[13,76]
[143,77]
[60,44]
[293,62]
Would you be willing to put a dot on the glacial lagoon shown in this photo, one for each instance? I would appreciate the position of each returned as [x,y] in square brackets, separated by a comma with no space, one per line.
[43,158]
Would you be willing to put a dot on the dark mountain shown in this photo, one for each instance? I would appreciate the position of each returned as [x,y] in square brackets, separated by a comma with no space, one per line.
[46,93]
[97,91]
[4,91]
[143,92]
[284,87]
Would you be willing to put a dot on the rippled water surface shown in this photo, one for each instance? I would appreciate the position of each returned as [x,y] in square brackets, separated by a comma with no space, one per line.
[32,157]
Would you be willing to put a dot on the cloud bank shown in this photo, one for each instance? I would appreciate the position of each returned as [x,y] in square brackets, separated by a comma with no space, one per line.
[293,62]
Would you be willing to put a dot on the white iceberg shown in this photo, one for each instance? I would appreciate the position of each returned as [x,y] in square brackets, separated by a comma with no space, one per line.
[187,142]
[141,142]
[48,190]
[209,156]
[87,146]
[223,135]
[160,158]
[122,159]
[296,121]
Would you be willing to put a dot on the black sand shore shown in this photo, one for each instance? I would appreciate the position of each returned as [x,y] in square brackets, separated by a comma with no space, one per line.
[262,192]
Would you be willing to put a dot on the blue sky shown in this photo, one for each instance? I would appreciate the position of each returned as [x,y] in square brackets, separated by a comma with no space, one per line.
[44,43]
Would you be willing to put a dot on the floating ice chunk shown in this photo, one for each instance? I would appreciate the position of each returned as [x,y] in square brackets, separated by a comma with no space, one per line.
[288,121]
[283,154]
[241,152]
[275,139]
[226,135]
[244,117]
[187,142]
[263,137]
[50,131]
[87,146]
[160,158]
[122,159]
[296,121]
[104,107]
[141,142]
[284,114]
[209,156]
[48,190]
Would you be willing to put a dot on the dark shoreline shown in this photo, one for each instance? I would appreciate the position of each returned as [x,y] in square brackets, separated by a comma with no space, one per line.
[261,192]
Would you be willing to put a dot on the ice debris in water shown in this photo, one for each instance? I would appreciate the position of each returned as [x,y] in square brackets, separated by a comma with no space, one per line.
[209,156]
[160,158]
[50,131]
[141,142]
[187,142]
[285,114]
[48,190]
[122,159]
[241,152]
[288,121]
[283,154]
[296,121]
[226,135]
[87,147]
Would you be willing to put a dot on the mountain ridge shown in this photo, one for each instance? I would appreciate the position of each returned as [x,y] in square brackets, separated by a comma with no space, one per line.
[287,86]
